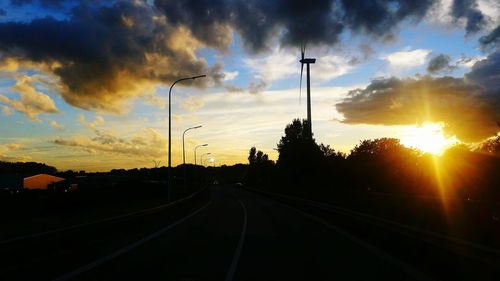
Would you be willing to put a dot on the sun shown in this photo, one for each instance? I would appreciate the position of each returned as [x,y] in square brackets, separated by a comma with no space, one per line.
[428,137]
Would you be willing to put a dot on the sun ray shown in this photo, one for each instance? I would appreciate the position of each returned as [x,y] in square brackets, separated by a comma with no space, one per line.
[428,137]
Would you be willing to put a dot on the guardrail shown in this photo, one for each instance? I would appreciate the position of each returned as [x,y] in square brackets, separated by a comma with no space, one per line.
[178,206]
[461,247]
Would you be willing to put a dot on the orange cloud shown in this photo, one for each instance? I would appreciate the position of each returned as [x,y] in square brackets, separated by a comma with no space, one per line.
[31,102]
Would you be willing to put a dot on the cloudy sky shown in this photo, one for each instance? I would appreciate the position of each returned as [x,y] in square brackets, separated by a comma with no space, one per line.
[84,84]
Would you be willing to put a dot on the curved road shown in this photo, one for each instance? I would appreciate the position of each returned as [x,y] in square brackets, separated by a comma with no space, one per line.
[240,235]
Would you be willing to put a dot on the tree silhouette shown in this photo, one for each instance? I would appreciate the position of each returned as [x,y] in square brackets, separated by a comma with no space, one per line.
[260,168]
[259,157]
[300,158]
[252,158]
[25,168]
[379,147]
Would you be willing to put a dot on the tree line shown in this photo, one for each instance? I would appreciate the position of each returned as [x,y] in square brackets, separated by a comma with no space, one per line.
[379,165]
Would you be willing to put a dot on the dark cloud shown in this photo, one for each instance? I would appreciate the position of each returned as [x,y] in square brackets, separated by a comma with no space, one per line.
[106,52]
[257,21]
[292,22]
[233,89]
[381,17]
[486,74]
[48,3]
[492,40]
[440,63]
[365,53]
[467,9]
[469,107]
[257,87]
[2,13]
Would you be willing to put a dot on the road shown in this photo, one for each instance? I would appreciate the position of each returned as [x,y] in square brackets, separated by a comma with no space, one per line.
[237,235]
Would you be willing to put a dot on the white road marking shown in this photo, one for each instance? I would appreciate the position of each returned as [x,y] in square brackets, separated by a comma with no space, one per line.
[360,215]
[237,253]
[19,238]
[407,268]
[127,248]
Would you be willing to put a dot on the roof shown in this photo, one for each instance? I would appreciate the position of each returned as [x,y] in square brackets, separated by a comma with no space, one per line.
[45,175]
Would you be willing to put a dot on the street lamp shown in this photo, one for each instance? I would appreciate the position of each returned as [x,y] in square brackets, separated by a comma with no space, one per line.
[201,158]
[183,150]
[195,148]
[211,160]
[170,130]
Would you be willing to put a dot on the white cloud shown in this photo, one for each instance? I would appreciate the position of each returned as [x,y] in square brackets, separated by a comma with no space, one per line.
[230,75]
[330,67]
[491,9]
[441,13]
[407,59]
[276,66]
[281,64]
[56,125]
[469,61]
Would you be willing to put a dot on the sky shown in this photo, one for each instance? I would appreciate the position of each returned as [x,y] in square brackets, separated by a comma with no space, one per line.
[84,84]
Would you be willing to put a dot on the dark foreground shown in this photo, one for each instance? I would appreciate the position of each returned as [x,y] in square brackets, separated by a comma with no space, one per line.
[232,234]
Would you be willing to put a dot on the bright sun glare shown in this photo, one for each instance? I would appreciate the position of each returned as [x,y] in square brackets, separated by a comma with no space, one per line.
[428,137]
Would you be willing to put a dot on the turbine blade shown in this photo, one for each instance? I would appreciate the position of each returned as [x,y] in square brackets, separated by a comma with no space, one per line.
[300,84]
[302,51]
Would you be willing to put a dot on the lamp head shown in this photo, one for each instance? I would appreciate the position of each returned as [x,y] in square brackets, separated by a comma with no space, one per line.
[199,76]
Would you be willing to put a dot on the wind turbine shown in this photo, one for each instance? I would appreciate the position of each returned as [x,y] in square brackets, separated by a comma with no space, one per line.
[306,61]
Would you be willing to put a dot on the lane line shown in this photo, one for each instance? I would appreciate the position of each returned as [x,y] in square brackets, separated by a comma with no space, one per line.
[237,253]
[71,227]
[405,267]
[360,215]
[127,248]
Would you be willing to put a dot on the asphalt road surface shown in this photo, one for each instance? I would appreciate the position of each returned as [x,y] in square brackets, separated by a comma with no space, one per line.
[237,235]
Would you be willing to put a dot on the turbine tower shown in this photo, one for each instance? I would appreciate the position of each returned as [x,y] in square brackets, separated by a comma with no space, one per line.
[306,61]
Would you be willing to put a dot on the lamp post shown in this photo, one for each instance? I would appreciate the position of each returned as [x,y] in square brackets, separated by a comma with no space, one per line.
[183,149]
[201,158]
[195,148]
[184,153]
[169,181]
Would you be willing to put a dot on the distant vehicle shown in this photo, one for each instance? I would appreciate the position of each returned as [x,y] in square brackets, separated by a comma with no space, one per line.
[239,184]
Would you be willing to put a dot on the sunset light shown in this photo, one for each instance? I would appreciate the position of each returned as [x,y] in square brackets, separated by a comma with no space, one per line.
[428,137]
[250,140]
